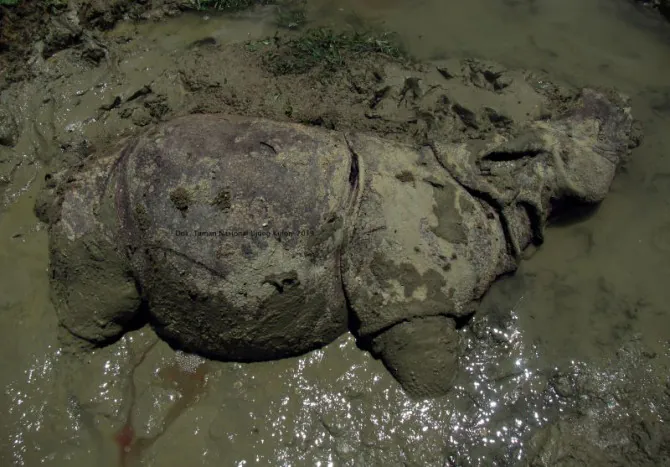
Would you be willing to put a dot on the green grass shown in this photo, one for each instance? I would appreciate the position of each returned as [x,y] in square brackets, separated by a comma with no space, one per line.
[9,2]
[227,5]
[326,48]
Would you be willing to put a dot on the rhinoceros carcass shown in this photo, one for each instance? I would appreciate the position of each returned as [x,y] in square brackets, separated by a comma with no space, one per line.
[247,239]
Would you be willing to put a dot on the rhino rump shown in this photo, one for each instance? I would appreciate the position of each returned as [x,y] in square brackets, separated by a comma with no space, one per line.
[229,229]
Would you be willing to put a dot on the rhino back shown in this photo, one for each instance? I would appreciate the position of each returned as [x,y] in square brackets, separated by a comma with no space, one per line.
[235,226]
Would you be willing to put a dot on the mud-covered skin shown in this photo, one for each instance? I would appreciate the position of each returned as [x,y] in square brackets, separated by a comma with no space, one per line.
[394,242]
[250,297]
[93,287]
[437,226]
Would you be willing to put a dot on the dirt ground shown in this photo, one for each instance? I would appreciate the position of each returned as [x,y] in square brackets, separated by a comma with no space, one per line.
[366,92]
[77,77]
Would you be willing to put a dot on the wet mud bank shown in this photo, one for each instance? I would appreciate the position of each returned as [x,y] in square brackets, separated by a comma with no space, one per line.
[86,86]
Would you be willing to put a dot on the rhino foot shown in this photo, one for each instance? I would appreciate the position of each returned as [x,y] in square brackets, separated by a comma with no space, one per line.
[422,354]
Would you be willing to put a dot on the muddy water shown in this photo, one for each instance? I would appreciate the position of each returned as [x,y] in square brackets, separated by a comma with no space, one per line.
[590,305]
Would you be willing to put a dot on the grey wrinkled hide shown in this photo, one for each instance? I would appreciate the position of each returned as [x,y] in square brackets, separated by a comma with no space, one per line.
[393,242]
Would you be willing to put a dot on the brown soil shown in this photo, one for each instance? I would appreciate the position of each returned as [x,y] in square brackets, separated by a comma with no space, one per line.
[29,21]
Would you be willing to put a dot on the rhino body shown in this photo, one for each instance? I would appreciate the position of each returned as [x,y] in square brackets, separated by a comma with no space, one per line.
[248,239]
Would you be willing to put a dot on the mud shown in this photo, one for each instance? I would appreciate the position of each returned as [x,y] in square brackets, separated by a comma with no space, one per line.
[663,6]
[566,362]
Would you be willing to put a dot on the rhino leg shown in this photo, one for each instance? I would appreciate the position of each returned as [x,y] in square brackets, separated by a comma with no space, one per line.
[422,354]
[92,286]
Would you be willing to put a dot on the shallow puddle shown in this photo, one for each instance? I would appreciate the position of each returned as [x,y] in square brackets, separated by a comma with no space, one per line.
[591,303]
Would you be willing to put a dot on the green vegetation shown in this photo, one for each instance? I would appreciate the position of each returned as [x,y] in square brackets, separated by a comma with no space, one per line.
[326,48]
[228,5]
[9,2]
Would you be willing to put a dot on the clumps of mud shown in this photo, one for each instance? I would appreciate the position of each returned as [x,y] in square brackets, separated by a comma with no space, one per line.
[9,131]
[57,25]
[376,90]
[53,24]
[337,80]
[616,416]
[180,198]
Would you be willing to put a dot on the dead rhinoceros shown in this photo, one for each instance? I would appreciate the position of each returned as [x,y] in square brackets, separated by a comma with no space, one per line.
[247,239]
